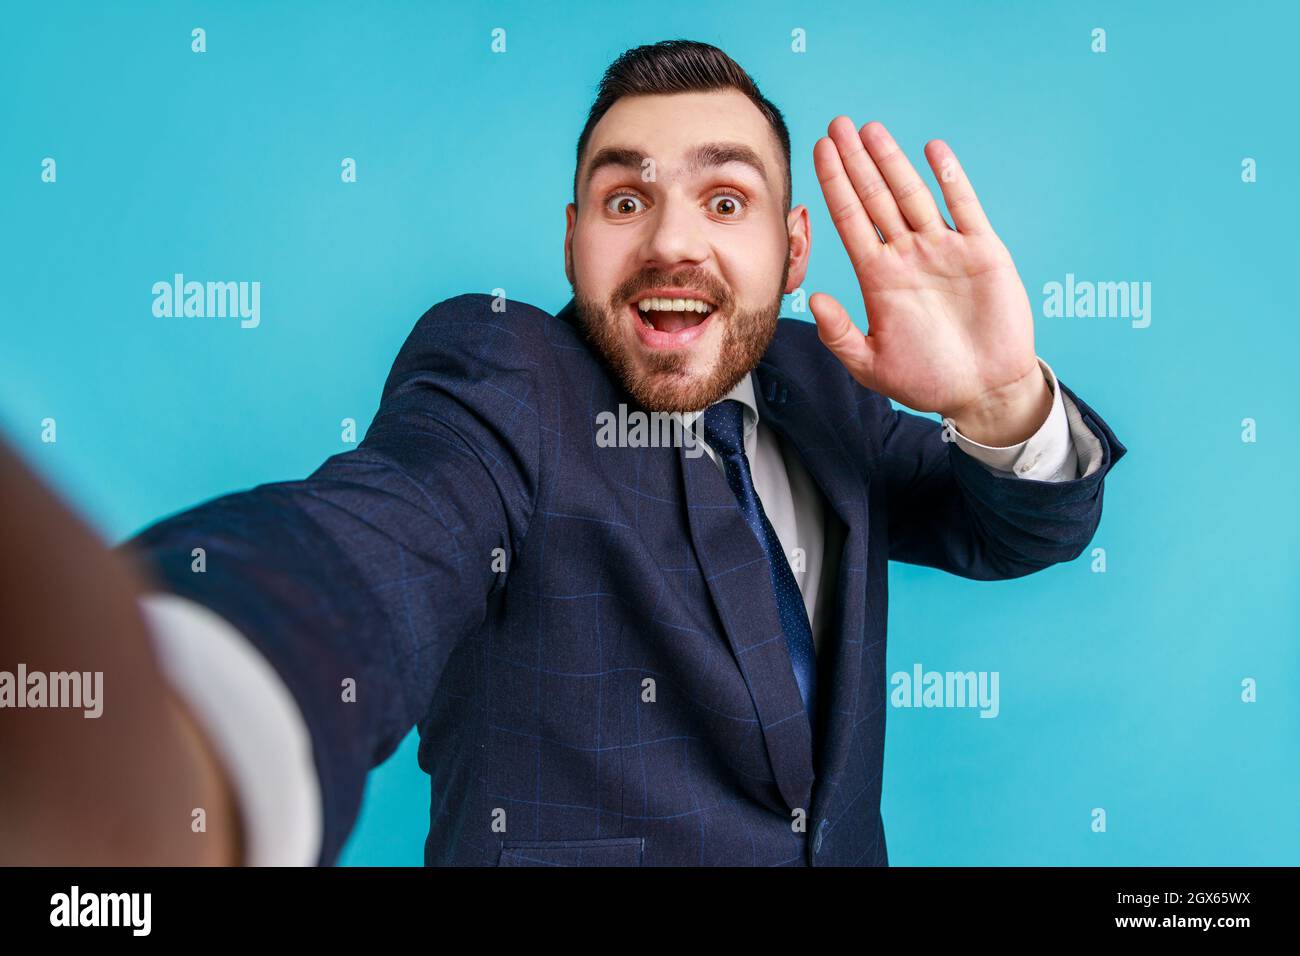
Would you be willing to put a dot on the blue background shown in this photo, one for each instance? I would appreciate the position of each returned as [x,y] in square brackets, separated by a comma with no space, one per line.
[1119,690]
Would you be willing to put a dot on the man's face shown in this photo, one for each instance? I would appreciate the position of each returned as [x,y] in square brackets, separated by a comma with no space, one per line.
[681,197]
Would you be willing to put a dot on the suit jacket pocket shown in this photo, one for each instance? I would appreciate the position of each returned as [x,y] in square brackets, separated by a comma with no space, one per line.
[610,851]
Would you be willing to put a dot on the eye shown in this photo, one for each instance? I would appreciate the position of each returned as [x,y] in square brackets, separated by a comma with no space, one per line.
[728,205]
[624,204]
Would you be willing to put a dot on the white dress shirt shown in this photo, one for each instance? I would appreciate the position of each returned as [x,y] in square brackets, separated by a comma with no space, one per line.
[264,743]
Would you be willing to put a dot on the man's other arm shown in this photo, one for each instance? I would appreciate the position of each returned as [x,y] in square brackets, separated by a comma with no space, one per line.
[994,513]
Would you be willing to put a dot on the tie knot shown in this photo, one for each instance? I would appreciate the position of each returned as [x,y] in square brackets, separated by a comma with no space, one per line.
[724,427]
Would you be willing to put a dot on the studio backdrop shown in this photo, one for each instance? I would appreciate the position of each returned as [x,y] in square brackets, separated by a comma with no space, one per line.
[347,165]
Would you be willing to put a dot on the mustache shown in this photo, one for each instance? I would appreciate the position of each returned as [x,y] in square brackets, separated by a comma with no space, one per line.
[697,280]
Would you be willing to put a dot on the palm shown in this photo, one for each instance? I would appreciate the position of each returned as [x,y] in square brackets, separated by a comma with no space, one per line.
[949,321]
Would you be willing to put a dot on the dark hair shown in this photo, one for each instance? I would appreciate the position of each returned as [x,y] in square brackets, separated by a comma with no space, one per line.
[678,66]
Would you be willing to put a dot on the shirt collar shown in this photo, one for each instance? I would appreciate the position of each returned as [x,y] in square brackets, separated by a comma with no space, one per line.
[743,393]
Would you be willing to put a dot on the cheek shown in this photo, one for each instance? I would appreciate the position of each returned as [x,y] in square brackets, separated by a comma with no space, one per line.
[754,282]
[755,267]
[596,255]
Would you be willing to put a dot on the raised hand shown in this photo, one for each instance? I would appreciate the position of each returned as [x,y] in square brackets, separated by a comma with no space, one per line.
[950,325]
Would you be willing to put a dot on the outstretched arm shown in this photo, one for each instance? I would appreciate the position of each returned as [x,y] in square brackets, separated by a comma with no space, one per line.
[358,582]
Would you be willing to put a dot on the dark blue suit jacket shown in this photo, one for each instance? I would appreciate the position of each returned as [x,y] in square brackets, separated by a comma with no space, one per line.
[623,566]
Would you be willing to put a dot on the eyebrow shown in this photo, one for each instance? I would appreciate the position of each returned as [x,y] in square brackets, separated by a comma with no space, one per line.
[704,156]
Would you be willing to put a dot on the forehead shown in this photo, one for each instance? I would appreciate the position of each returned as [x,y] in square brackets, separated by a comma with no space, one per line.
[668,127]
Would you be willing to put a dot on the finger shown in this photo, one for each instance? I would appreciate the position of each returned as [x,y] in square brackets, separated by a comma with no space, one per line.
[910,191]
[958,195]
[869,185]
[836,330]
[846,209]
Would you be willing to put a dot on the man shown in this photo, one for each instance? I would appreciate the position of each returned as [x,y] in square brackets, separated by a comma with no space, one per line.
[621,652]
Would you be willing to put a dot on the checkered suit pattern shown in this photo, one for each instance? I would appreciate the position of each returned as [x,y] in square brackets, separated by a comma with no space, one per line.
[619,694]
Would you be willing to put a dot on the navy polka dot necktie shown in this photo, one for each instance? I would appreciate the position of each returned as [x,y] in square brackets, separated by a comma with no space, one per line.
[724,430]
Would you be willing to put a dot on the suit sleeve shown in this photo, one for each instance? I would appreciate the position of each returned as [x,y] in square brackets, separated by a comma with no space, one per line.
[358,582]
[949,511]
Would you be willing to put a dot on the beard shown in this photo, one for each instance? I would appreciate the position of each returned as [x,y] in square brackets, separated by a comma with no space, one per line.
[663,381]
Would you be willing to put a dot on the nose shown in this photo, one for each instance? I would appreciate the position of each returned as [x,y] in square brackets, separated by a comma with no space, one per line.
[674,237]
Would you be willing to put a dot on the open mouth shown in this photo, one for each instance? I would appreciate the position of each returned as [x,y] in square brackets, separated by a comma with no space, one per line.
[671,322]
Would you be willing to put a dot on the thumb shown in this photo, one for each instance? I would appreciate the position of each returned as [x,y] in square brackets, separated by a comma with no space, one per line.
[838,333]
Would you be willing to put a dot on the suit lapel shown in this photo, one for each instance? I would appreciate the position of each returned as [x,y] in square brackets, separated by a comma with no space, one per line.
[789,409]
[737,574]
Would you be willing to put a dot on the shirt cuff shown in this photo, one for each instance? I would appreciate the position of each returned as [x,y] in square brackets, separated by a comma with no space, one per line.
[1050,454]
[254,725]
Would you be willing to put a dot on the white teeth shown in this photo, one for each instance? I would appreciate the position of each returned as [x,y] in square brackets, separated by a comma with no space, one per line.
[674,305]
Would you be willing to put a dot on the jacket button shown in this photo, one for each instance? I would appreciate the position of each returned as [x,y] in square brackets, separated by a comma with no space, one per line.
[821,830]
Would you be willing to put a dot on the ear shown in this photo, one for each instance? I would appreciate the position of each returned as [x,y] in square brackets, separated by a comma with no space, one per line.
[570,217]
[800,232]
